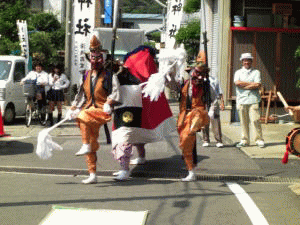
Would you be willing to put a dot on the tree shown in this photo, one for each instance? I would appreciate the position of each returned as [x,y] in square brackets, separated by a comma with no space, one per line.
[45,22]
[191,6]
[141,6]
[47,37]
[41,42]
[9,14]
[46,34]
[6,46]
[189,35]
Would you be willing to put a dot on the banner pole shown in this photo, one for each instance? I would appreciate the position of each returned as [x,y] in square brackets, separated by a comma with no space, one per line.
[114,29]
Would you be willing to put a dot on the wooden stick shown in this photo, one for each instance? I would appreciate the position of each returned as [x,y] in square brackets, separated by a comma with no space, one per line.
[268,107]
[284,102]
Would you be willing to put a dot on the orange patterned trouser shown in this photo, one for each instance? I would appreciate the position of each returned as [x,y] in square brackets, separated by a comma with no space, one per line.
[187,144]
[90,121]
[89,135]
[187,128]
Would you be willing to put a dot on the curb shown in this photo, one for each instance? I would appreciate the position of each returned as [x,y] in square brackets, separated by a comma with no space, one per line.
[141,174]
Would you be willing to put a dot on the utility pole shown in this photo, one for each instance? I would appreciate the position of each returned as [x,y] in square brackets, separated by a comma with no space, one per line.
[68,43]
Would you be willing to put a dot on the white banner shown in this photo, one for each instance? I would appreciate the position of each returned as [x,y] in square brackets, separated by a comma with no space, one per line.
[23,37]
[175,14]
[82,29]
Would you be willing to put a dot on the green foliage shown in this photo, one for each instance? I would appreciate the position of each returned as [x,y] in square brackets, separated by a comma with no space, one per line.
[189,32]
[40,42]
[58,38]
[50,32]
[150,44]
[297,56]
[190,37]
[191,6]
[48,38]
[45,22]
[142,6]
[297,53]
[155,36]
[9,14]
[46,34]
[6,46]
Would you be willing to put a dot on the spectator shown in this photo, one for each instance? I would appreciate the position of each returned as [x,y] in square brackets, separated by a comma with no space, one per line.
[217,103]
[248,83]
[41,79]
[58,82]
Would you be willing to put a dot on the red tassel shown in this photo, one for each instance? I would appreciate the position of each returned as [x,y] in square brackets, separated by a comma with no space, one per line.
[285,158]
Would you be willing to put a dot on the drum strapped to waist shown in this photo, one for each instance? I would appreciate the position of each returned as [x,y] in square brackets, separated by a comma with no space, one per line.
[293,142]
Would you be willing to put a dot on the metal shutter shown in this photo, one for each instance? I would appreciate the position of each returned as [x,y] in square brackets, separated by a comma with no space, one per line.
[215,39]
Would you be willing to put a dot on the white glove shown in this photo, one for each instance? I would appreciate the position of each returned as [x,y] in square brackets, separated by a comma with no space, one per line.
[211,114]
[107,108]
[72,114]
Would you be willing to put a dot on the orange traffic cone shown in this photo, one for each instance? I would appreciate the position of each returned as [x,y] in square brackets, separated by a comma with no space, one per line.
[2,133]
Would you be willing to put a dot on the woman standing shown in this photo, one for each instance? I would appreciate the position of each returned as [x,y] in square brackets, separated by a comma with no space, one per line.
[58,82]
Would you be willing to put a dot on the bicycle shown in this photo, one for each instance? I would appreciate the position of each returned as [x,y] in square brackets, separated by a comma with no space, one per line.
[32,110]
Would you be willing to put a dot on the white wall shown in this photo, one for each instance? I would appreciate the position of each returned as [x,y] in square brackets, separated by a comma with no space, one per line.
[55,6]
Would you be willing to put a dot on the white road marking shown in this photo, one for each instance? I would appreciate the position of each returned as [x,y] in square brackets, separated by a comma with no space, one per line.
[255,215]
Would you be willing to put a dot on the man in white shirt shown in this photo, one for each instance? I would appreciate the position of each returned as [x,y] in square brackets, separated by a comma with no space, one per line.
[248,83]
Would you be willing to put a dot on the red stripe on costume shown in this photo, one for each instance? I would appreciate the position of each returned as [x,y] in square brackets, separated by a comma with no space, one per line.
[155,112]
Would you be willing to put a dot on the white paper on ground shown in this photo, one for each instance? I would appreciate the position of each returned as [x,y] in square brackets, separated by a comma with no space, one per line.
[74,216]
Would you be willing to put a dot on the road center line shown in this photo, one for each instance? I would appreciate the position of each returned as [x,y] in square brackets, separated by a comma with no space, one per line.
[255,215]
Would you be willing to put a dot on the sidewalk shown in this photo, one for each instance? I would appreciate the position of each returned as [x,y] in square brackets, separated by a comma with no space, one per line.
[274,135]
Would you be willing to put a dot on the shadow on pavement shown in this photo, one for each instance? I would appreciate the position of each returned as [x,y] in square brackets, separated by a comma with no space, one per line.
[172,167]
[275,143]
[15,147]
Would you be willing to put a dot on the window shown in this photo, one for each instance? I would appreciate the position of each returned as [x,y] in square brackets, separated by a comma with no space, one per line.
[5,67]
[129,25]
[19,71]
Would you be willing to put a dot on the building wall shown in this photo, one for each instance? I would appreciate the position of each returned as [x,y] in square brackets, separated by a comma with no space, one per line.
[224,48]
[146,25]
[57,7]
[218,30]
[36,4]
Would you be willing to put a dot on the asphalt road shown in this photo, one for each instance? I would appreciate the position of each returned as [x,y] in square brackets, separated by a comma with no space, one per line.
[27,198]
[31,186]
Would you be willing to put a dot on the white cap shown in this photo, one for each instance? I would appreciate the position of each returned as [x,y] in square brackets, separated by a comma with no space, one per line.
[246,56]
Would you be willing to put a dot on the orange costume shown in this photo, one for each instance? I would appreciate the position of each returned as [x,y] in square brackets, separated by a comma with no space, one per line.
[192,117]
[92,117]
[87,107]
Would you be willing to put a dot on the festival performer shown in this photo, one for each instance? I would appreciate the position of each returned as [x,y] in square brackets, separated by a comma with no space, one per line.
[192,116]
[87,107]
[137,119]
[194,97]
